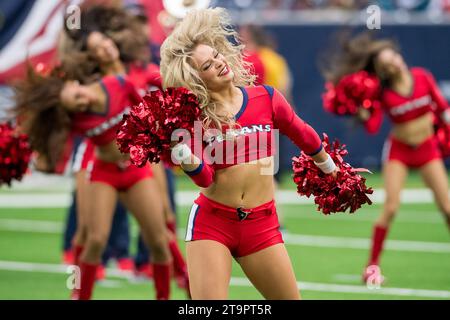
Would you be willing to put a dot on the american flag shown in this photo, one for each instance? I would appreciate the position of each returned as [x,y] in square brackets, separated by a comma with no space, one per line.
[29,30]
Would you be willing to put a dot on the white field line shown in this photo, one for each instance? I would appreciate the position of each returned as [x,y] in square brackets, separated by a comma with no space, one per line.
[378,196]
[61,200]
[365,214]
[43,182]
[39,226]
[362,243]
[431,217]
[20,225]
[339,288]
[428,217]
[34,200]
[346,278]
[243,282]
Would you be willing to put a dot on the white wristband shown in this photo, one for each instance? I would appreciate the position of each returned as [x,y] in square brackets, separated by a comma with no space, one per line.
[328,166]
[446,116]
[182,153]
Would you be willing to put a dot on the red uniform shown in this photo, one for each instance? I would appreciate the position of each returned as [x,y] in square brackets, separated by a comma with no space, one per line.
[101,130]
[411,156]
[210,220]
[424,98]
[84,156]
[246,230]
[75,158]
[144,79]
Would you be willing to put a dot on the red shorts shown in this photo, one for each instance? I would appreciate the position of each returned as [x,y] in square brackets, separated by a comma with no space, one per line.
[84,156]
[210,220]
[120,177]
[411,156]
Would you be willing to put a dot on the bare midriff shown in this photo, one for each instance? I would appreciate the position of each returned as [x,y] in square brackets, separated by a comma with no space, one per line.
[416,131]
[110,153]
[246,185]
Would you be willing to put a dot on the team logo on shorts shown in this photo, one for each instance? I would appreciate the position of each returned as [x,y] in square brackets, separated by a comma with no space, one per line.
[242,214]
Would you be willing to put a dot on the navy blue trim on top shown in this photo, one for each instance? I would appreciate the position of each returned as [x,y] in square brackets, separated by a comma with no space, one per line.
[315,152]
[244,103]
[105,90]
[269,89]
[121,80]
[196,171]
[104,113]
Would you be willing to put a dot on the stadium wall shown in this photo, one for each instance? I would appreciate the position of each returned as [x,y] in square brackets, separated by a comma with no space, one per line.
[422,45]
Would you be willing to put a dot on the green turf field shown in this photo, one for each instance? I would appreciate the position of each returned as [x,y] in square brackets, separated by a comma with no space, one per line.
[328,253]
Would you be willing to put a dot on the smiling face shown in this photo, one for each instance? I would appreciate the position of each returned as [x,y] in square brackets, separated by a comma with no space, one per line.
[389,63]
[102,48]
[75,97]
[212,67]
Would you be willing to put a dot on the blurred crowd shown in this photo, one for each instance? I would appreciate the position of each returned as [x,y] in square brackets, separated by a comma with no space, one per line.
[410,5]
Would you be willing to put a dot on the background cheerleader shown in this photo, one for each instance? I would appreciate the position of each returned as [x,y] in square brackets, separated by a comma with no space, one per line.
[124,51]
[95,110]
[409,96]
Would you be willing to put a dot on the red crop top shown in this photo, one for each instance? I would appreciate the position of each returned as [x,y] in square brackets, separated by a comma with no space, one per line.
[101,128]
[425,97]
[263,110]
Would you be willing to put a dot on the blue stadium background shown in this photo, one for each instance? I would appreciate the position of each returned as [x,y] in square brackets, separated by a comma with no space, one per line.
[422,45]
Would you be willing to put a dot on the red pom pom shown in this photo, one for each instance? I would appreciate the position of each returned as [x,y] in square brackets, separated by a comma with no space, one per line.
[147,131]
[353,91]
[347,191]
[15,154]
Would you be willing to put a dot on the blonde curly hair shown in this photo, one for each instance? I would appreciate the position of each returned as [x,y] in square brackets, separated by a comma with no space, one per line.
[209,27]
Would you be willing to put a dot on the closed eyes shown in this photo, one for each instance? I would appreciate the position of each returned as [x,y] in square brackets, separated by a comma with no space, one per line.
[209,65]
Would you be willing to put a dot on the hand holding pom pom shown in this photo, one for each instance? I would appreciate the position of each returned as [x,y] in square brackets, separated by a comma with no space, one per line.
[15,154]
[345,190]
[146,133]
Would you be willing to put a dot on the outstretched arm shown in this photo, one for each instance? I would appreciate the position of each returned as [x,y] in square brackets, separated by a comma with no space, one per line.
[442,107]
[291,125]
[301,133]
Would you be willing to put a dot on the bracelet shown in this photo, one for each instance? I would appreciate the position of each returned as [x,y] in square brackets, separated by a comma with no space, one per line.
[182,153]
[446,116]
[328,166]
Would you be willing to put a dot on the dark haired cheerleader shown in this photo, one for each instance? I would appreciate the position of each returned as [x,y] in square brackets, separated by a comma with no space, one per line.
[112,42]
[55,107]
[411,98]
